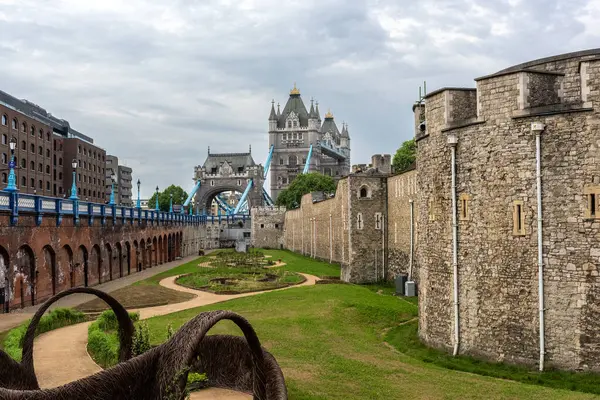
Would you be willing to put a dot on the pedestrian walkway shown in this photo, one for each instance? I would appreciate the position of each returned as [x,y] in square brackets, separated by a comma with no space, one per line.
[70,343]
[9,321]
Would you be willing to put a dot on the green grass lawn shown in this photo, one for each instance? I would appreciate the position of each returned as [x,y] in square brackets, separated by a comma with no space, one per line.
[299,263]
[329,341]
[229,280]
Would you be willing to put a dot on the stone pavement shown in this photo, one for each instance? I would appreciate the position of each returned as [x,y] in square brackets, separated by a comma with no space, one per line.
[9,321]
[70,343]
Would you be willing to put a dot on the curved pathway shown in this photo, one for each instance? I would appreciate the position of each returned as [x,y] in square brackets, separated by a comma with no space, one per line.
[60,356]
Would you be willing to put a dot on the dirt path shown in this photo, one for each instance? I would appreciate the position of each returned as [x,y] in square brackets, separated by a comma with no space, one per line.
[69,344]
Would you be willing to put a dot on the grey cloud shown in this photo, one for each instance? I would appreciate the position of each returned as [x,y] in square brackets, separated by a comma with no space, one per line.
[158,82]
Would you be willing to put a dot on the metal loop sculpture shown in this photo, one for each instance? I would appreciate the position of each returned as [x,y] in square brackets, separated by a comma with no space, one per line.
[231,362]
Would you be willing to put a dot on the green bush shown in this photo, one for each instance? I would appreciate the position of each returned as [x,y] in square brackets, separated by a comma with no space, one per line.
[141,339]
[103,339]
[57,318]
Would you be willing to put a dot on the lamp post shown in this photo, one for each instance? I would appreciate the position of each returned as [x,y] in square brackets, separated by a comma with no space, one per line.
[12,187]
[171,204]
[74,185]
[111,201]
[157,198]
[139,204]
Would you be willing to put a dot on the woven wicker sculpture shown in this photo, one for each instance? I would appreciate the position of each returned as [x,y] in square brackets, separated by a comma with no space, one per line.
[229,362]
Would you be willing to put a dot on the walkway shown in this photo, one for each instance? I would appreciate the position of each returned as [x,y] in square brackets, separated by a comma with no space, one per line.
[70,343]
[9,321]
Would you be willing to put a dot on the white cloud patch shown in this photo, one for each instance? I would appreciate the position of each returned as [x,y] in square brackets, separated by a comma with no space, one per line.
[157,82]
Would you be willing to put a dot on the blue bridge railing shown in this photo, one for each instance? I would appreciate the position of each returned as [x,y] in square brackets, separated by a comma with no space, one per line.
[15,204]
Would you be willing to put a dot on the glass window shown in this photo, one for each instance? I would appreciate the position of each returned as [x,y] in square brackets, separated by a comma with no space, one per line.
[14,125]
[48,153]
[32,183]
[60,161]
[23,145]
[4,177]
[32,165]
[41,133]
[47,169]
[47,185]
[32,147]
[24,127]
[40,167]
[23,181]
[4,158]
[4,139]
[4,120]
[40,184]
[40,151]
[23,163]
[32,130]
[48,139]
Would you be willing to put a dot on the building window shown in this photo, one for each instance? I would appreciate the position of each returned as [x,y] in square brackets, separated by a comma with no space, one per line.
[60,189]
[48,139]
[41,133]
[60,161]
[40,151]
[359,221]
[464,207]
[293,160]
[24,145]
[84,191]
[4,139]
[378,221]
[32,183]
[23,181]
[592,195]
[78,149]
[4,120]
[364,192]
[23,163]
[40,167]
[4,158]
[300,135]
[48,169]
[4,177]
[431,210]
[32,148]
[289,124]
[32,165]
[48,153]
[262,226]
[212,183]
[47,185]
[518,218]
[239,182]
[24,127]
[32,130]
[40,184]
[14,125]
[78,177]
[60,175]
[295,125]
[280,159]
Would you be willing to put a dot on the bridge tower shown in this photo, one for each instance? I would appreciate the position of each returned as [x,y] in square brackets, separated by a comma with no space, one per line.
[292,132]
[228,172]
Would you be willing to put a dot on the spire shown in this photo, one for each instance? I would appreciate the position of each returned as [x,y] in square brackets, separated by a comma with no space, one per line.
[312,114]
[295,91]
[317,111]
[250,148]
[345,130]
[273,116]
[278,112]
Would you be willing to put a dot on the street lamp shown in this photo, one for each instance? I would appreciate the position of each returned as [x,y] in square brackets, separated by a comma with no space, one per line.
[171,204]
[12,187]
[74,185]
[139,205]
[113,178]
[157,198]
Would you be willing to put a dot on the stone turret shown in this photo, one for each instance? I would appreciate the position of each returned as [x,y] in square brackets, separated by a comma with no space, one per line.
[272,117]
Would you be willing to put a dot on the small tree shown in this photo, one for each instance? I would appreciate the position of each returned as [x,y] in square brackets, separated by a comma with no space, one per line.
[303,184]
[141,339]
[164,198]
[405,156]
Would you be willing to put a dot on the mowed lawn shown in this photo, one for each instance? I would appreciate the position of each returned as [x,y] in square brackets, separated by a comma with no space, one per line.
[328,340]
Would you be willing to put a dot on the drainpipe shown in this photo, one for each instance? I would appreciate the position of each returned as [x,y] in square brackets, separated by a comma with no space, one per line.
[412,221]
[452,142]
[538,128]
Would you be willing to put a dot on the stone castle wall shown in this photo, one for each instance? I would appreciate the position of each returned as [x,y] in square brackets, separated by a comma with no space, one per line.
[267,227]
[497,207]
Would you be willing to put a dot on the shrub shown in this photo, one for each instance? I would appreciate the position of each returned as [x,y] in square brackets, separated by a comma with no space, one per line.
[141,339]
[57,318]
[103,339]
[169,331]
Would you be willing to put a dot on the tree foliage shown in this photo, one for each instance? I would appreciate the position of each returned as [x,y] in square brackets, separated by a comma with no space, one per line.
[164,198]
[303,184]
[405,156]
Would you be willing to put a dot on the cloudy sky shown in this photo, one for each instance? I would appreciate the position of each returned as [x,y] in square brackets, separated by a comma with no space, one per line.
[158,81]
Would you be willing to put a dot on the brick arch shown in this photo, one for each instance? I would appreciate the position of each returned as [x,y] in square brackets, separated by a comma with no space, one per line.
[155,251]
[160,250]
[165,248]
[169,247]
[119,259]
[128,257]
[109,264]
[67,278]
[82,266]
[138,255]
[47,274]
[95,266]
[148,253]
[4,287]
[142,261]
[24,278]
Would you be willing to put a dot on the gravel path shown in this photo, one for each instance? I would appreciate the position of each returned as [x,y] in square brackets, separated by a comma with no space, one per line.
[60,356]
